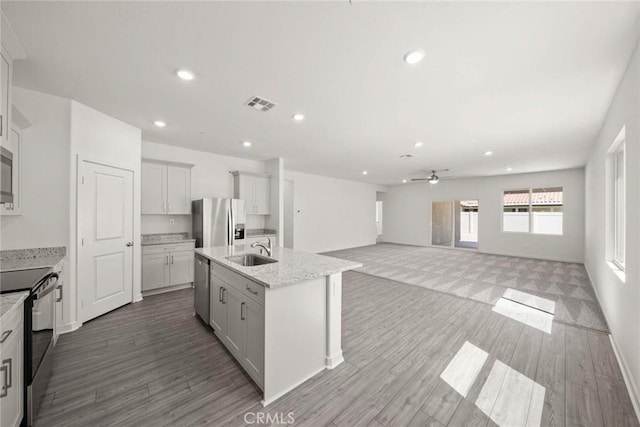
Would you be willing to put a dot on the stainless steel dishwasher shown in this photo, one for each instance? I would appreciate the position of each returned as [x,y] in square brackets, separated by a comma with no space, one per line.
[201,288]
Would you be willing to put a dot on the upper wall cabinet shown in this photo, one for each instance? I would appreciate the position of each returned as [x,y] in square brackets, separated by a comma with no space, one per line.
[11,172]
[5,90]
[255,190]
[166,188]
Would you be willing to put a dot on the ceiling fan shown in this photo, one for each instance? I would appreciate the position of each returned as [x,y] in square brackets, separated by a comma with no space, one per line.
[433,178]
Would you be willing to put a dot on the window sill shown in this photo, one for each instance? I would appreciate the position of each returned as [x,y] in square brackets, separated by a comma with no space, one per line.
[617,271]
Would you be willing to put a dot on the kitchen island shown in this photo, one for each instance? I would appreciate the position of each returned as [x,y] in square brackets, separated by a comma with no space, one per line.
[281,320]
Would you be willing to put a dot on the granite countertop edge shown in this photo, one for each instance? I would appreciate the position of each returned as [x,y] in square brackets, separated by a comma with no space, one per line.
[9,302]
[167,242]
[336,265]
[53,261]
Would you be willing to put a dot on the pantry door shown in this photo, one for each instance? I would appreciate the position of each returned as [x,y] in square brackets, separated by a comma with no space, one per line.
[105,239]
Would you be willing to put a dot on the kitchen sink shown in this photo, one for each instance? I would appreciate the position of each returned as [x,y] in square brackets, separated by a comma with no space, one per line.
[250,260]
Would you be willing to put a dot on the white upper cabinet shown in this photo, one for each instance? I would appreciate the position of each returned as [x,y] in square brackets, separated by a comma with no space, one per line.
[166,189]
[255,190]
[178,190]
[5,91]
[154,188]
[13,174]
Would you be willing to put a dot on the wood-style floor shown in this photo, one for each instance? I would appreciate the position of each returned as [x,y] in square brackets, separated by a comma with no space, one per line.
[154,364]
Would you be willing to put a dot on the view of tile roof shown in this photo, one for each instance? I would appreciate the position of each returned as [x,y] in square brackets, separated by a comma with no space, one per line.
[522,199]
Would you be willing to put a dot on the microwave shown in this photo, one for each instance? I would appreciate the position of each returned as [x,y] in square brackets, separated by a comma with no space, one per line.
[6,176]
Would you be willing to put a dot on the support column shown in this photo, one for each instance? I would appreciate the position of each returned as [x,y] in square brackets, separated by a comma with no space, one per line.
[334,321]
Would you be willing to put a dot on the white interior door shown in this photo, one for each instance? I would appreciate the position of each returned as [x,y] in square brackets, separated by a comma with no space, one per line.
[105,230]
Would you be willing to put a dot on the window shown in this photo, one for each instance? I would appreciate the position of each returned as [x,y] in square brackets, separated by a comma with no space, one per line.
[619,207]
[533,210]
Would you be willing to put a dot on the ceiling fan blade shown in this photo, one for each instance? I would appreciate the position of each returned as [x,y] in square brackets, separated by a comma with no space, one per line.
[419,179]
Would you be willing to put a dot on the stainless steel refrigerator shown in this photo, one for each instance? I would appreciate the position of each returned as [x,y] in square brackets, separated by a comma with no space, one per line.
[216,222]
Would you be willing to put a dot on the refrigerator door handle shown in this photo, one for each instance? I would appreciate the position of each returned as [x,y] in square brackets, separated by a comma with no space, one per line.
[230,229]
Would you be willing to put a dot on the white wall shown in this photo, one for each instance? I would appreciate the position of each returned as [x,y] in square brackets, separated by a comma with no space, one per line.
[44,221]
[100,138]
[407,213]
[332,214]
[210,177]
[619,300]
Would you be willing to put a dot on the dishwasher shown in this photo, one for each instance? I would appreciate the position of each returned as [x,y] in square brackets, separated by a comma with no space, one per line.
[201,288]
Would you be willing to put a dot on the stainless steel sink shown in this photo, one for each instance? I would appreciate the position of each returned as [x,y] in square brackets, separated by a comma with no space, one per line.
[249,260]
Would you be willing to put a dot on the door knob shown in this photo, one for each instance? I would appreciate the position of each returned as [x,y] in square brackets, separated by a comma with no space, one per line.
[129,243]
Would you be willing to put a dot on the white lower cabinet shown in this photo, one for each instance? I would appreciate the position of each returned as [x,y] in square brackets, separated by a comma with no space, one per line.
[237,317]
[12,370]
[164,266]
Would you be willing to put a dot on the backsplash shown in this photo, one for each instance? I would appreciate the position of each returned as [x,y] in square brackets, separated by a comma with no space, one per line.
[155,224]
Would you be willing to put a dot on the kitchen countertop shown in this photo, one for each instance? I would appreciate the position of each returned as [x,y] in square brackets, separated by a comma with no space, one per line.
[165,239]
[27,259]
[260,232]
[8,302]
[292,266]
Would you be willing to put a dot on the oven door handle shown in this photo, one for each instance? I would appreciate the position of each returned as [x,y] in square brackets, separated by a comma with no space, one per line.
[50,289]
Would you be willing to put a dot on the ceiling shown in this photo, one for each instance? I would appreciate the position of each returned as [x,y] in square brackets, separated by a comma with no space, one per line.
[529,81]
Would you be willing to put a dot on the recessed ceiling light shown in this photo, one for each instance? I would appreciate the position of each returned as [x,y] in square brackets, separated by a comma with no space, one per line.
[404,181]
[298,117]
[414,56]
[509,169]
[418,144]
[185,74]
[406,156]
[159,123]
[364,172]
[488,153]
[246,144]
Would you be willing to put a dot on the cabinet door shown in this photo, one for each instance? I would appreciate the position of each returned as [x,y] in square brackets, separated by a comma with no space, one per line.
[235,335]
[5,84]
[178,190]
[247,192]
[253,359]
[14,144]
[262,190]
[154,188]
[181,264]
[218,307]
[155,271]
[11,379]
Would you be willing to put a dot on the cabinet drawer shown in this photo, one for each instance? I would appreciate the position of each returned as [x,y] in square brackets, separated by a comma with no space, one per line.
[13,321]
[248,287]
[172,247]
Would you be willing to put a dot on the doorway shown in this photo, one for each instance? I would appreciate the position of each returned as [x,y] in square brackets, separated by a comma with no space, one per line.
[105,239]
[288,214]
[454,223]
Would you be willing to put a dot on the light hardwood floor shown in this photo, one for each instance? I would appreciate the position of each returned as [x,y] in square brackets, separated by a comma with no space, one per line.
[153,363]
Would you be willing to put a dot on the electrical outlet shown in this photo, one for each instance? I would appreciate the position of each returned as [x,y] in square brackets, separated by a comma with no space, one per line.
[172,221]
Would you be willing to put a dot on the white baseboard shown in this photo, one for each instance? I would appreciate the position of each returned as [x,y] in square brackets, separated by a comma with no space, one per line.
[631,385]
[137,298]
[167,289]
[65,328]
[334,360]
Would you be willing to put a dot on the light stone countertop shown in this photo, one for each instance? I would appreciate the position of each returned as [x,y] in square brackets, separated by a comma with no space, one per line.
[292,266]
[165,239]
[10,301]
[27,259]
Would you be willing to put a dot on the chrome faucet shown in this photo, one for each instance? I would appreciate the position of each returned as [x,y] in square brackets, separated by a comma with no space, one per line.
[262,246]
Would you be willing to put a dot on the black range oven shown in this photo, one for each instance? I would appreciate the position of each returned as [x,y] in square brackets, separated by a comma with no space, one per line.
[39,315]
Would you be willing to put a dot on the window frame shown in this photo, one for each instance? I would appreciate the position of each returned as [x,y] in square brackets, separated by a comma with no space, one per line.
[530,211]
[619,206]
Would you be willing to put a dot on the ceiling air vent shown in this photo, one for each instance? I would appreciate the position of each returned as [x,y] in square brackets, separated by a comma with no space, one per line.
[260,104]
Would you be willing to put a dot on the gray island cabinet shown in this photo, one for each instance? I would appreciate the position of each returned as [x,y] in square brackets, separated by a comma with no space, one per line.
[281,320]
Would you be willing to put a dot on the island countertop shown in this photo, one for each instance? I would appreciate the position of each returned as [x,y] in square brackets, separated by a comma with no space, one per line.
[292,266]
